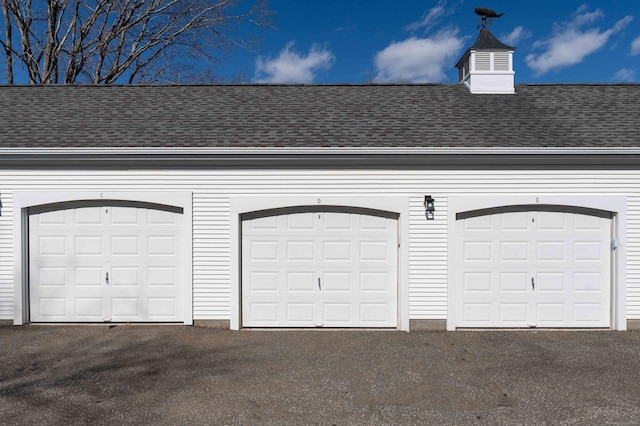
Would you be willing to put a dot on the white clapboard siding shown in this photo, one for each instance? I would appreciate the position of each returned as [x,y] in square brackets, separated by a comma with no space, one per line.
[211,256]
[213,189]
[6,255]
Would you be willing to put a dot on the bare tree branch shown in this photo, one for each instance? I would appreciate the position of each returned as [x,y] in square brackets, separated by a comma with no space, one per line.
[7,43]
[108,41]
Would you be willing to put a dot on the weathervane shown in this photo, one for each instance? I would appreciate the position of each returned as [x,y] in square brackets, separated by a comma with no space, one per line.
[487,13]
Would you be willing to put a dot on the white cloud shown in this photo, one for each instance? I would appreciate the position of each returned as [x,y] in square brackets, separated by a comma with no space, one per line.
[291,67]
[583,17]
[625,75]
[418,60]
[430,18]
[635,47]
[515,36]
[570,44]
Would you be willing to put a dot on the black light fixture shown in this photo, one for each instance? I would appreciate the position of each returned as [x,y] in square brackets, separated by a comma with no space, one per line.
[429,207]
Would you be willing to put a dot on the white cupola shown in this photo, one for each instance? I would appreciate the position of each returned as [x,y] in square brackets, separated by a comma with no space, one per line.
[487,66]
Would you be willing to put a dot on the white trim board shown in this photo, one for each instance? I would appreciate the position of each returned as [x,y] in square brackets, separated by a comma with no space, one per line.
[614,204]
[397,205]
[22,201]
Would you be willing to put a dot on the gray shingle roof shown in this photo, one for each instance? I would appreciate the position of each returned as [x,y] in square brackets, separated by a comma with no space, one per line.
[374,116]
[486,40]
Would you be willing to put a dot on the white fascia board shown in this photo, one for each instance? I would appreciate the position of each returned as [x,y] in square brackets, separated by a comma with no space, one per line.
[120,151]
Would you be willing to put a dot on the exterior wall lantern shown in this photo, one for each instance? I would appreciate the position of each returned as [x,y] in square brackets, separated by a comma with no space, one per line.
[429,207]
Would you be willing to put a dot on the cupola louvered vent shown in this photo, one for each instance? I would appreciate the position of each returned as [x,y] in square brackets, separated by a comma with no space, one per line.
[483,61]
[487,66]
[501,61]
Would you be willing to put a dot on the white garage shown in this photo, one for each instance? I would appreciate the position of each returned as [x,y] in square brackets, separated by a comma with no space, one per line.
[532,266]
[319,267]
[105,260]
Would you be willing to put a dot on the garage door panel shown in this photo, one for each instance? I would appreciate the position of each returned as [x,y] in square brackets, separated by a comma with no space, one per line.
[125,216]
[375,281]
[303,250]
[51,245]
[588,313]
[477,282]
[551,282]
[476,313]
[299,222]
[89,309]
[588,250]
[125,277]
[551,314]
[478,224]
[375,225]
[125,308]
[263,250]
[88,216]
[551,251]
[87,245]
[263,313]
[88,276]
[513,282]
[162,307]
[513,221]
[477,251]
[337,314]
[158,218]
[552,262]
[104,268]
[338,282]
[337,221]
[52,276]
[54,308]
[300,313]
[590,282]
[591,222]
[322,267]
[552,221]
[264,225]
[374,314]
[514,251]
[515,314]
[162,276]
[162,245]
[337,251]
[377,251]
[125,245]
[300,281]
[50,218]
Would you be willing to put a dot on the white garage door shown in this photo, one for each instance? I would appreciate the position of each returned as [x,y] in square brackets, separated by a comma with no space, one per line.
[533,269]
[105,263]
[319,269]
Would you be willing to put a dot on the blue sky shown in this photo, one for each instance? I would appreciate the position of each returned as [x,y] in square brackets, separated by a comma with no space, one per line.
[353,41]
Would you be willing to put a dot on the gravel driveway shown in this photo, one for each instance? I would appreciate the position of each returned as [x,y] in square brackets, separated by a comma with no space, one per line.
[190,375]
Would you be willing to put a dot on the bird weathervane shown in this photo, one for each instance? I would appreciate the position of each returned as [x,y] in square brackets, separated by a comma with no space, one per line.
[487,13]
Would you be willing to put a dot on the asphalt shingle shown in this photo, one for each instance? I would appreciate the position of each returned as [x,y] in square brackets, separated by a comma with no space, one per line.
[367,116]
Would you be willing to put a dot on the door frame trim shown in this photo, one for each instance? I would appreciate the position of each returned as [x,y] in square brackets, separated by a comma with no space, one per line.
[23,201]
[251,205]
[463,207]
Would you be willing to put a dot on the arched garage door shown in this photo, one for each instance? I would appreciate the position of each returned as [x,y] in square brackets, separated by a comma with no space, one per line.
[96,261]
[536,267]
[307,267]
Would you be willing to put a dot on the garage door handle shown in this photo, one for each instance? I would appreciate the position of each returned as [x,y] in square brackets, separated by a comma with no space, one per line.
[319,286]
[106,278]
[533,284]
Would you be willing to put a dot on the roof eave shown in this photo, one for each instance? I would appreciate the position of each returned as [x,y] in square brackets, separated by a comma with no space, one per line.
[348,158]
[128,151]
